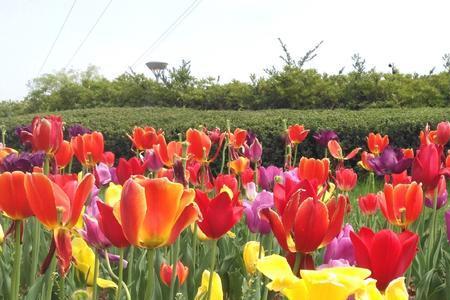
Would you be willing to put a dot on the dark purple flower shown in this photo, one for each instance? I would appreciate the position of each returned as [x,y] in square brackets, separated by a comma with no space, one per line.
[24,132]
[77,129]
[341,247]
[267,176]
[24,162]
[254,222]
[323,137]
[152,161]
[92,233]
[254,151]
[250,138]
[390,161]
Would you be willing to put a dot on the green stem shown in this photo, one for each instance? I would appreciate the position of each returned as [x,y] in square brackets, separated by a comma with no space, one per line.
[298,258]
[295,154]
[35,250]
[94,284]
[46,169]
[15,284]
[225,146]
[62,295]
[130,266]
[49,280]
[150,274]
[266,280]
[212,265]
[114,276]
[194,248]
[433,226]
[176,249]
[119,284]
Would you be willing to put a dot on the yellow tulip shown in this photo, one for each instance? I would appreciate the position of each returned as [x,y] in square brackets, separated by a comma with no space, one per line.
[85,261]
[112,194]
[216,289]
[396,290]
[276,268]
[251,256]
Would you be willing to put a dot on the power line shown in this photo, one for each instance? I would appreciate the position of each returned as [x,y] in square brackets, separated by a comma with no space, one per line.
[88,34]
[169,30]
[57,37]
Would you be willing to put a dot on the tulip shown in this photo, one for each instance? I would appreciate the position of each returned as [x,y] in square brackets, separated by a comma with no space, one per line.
[58,208]
[199,144]
[250,192]
[254,151]
[390,161]
[442,133]
[215,135]
[447,223]
[102,174]
[396,290]
[447,160]
[251,253]
[336,151]
[266,176]
[110,225]
[252,209]
[368,204]
[341,247]
[5,152]
[323,137]
[77,129]
[144,138]
[216,287]
[219,214]
[88,148]
[314,169]
[84,259]
[346,179]
[237,139]
[13,199]
[126,168]
[239,165]
[401,205]
[108,158]
[307,225]
[46,134]
[92,233]
[152,161]
[226,180]
[364,162]
[377,143]
[64,154]
[386,253]
[442,194]
[398,178]
[297,133]
[426,166]
[247,176]
[165,272]
[169,153]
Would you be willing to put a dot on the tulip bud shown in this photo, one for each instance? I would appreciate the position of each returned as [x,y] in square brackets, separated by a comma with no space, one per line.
[368,204]
[46,134]
[64,154]
[152,161]
[346,179]
[254,151]
[297,133]
[443,133]
[165,272]
[251,255]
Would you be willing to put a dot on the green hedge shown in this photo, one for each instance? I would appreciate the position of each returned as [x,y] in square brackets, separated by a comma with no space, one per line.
[402,125]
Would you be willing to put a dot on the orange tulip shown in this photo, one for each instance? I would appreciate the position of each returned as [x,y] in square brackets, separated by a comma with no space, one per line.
[199,144]
[5,151]
[168,153]
[58,205]
[239,165]
[88,148]
[237,139]
[297,133]
[165,272]
[46,134]
[64,154]
[364,162]
[314,169]
[13,199]
[145,138]
[336,151]
[154,212]
[377,143]
[401,205]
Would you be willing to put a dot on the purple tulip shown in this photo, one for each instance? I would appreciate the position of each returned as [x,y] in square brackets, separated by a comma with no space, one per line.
[103,174]
[254,151]
[114,258]
[24,161]
[390,161]
[252,209]
[152,161]
[93,235]
[267,176]
[77,129]
[250,138]
[341,247]
[442,194]
[323,137]
[447,222]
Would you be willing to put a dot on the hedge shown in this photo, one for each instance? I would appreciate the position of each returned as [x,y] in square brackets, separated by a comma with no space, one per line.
[402,125]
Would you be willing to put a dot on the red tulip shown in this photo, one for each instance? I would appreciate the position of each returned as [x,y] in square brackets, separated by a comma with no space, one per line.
[144,138]
[46,134]
[237,139]
[88,148]
[336,151]
[401,205]
[447,160]
[64,154]
[13,199]
[165,272]
[377,143]
[346,179]
[386,254]
[168,153]
[110,225]
[199,144]
[314,169]
[426,166]
[219,214]
[399,178]
[126,168]
[306,225]
[442,133]
[226,180]
[297,133]
[247,176]
[108,158]
[368,204]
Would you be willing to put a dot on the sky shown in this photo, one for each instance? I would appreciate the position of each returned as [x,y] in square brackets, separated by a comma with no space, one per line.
[227,38]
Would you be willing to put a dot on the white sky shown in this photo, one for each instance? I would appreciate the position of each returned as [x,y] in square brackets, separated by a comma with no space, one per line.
[230,38]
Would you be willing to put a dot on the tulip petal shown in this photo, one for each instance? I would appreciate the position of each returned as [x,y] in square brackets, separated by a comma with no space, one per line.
[132,210]
[110,226]
[82,193]
[63,250]
[277,227]
[187,217]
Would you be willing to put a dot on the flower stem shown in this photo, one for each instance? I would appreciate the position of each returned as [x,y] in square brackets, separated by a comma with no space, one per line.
[94,284]
[298,258]
[295,154]
[35,250]
[212,265]
[15,284]
[194,248]
[269,250]
[176,249]
[114,276]
[150,274]
[49,281]
[119,284]
[130,266]
[433,227]
[62,295]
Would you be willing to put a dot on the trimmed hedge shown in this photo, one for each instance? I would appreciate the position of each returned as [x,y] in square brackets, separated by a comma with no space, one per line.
[402,125]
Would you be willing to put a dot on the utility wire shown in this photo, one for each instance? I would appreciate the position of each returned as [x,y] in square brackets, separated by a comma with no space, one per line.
[57,37]
[169,30]
[88,34]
